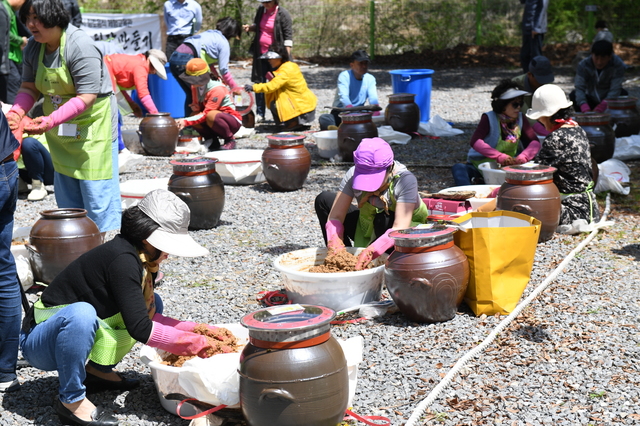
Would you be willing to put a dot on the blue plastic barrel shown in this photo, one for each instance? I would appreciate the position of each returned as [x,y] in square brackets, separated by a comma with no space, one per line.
[167,94]
[417,82]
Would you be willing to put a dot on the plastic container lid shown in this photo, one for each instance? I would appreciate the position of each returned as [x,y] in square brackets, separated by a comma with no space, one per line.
[195,164]
[529,173]
[356,117]
[430,236]
[285,139]
[401,98]
[288,323]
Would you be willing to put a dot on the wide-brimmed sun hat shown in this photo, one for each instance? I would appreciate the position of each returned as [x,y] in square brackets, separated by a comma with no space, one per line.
[173,216]
[196,73]
[546,101]
[372,159]
[513,93]
[158,60]
[270,54]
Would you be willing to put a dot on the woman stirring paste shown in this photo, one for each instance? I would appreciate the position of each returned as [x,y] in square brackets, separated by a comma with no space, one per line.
[502,136]
[104,302]
[387,197]
[567,149]
[62,63]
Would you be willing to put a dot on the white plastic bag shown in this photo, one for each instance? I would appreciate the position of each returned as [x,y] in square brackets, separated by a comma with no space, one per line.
[391,136]
[438,127]
[612,174]
[627,148]
[214,380]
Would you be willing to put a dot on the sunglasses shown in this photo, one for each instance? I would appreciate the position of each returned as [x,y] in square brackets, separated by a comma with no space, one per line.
[516,104]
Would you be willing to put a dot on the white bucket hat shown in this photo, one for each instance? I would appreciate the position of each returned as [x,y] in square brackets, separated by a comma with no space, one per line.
[158,59]
[173,216]
[546,101]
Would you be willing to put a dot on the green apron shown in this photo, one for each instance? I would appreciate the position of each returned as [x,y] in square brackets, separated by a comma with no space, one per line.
[364,229]
[87,155]
[112,340]
[511,149]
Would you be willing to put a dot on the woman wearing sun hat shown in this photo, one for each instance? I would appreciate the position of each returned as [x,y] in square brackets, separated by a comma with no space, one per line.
[567,149]
[215,114]
[502,136]
[104,302]
[387,197]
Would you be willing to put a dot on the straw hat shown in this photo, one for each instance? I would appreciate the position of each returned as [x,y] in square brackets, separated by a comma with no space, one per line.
[546,101]
[158,59]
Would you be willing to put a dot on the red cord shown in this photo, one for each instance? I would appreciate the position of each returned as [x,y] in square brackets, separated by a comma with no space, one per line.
[204,413]
[273,298]
[366,419]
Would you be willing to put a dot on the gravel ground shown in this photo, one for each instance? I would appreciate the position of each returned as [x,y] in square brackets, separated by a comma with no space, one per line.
[571,358]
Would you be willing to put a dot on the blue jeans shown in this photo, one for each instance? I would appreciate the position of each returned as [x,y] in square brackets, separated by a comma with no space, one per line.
[62,343]
[10,304]
[465,174]
[37,161]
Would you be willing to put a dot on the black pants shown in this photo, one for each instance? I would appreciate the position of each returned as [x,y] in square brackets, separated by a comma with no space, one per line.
[323,203]
[173,41]
[531,47]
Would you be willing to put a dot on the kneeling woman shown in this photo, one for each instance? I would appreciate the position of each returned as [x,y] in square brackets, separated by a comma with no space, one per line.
[291,102]
[567,149]
[215,115]
[387,197]
[104,302]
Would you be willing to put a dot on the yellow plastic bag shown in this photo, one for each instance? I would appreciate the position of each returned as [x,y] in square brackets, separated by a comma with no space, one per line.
[500,246]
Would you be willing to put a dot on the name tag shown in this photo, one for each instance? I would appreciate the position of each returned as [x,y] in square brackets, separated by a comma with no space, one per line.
[68,129]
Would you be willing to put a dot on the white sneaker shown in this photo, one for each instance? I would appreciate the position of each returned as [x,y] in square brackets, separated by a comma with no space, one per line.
[11,386]
[259,119]
[38,191]
[23,188]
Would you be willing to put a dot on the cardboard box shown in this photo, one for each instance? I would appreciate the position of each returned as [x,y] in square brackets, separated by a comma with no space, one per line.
[438,206]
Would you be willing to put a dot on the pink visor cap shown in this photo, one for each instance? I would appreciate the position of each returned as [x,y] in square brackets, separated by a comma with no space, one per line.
[372,158]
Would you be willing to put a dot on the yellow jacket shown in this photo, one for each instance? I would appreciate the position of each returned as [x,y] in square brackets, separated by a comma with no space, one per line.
[289,91]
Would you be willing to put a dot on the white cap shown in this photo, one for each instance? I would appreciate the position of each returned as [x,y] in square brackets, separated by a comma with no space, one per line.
[546,101]
[173,216]
[513,93]
[158,59]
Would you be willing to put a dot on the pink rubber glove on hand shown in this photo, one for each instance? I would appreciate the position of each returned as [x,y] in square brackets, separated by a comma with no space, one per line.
[147,102]
[529,153]
[39,125]
[22,104]
[585,107]
[375,249]
[178,342]
[180,325]
[601,107]
[375,113]
[71,109]
[335,230]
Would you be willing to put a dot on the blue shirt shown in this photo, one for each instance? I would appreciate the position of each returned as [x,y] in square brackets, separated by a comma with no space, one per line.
[352,91]
[180,17]
[213,44]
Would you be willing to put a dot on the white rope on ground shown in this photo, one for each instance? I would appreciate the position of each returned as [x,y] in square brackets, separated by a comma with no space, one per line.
[426,403]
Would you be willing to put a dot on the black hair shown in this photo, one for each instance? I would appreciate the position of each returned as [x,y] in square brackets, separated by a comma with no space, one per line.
[498,105]
[229,27]
[136,226]
[562,114]
[602,48]
[51,13]
[281,50]
[601,24]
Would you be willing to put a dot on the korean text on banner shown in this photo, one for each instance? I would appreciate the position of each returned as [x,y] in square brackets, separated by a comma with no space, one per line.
[500,246]
[135,33]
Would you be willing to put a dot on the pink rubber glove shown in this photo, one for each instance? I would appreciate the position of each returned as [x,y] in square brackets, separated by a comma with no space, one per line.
[229,81]
[375,113]
[540,129]
[503,159]
[529,153]
[147,102]
[72,108]
[486,150]
[375,249]
[22,104]
[335,230]
[349,106]
[178,342]
[179,325]
[601,107]
[585,107]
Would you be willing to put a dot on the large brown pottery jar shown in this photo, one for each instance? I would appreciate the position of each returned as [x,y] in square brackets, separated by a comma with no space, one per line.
[286,163]
[197,183]
[58,238]
[530,190]
[158,134]
[355,126]
[427,275]
[402,113]
[292,372]
[624,115]
[602,139]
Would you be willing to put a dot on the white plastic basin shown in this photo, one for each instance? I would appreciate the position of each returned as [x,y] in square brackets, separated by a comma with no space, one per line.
[239,166]
[327,143]
[338,291]
[492,173]
[134,190]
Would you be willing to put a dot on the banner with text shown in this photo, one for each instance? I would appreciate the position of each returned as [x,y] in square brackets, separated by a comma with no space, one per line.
[134,33]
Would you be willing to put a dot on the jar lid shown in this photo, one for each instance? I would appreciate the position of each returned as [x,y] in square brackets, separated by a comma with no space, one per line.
[529,172]
[590,118]
[398,98]
[625,102]
[194,164]
[356,117]
[426,235]
[288,323]
[285,139]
